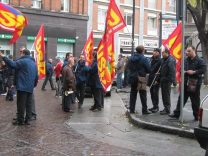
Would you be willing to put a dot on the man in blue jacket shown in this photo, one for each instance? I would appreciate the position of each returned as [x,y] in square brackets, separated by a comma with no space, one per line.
[139,66]
[26,79]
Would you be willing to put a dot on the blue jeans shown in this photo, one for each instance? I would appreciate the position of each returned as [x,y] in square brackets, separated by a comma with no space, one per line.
[119,80]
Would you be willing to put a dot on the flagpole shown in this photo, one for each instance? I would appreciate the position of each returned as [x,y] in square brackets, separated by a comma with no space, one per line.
[182,63]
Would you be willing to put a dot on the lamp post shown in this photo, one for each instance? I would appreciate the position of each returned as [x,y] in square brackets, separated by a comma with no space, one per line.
[133,23]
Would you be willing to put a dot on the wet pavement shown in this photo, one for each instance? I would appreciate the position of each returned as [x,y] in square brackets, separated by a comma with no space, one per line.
[163,121]
[84,133]
[49,134]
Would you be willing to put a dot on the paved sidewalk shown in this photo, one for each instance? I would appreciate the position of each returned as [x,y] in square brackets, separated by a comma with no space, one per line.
[159,122]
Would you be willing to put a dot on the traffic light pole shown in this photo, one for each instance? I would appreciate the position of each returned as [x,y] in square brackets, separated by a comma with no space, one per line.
[133,25]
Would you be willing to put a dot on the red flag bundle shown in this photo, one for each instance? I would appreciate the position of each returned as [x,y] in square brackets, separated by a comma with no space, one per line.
[40,53]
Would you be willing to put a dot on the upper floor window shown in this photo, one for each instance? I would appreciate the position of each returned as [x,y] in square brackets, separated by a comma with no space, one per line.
[152,4]
[172,5]
[36,4]
[4,1]
[128,2]
[128,20]
[152,24]
[65,5]
[101,18]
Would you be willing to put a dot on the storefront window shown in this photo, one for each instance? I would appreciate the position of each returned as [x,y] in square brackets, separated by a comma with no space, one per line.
[63,48]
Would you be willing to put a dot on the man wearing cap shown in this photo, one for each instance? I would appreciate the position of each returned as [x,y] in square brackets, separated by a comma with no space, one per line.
[26,80]
[153,81]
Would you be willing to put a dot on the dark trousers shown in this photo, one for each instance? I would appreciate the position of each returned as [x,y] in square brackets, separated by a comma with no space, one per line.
[154,91]
[24,103]
[166,90]
[98,97]
[133,98]
[195,101]
[80,92]
[48,78]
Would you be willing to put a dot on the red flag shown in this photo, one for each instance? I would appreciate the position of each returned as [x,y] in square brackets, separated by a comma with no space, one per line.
[174,44]
[12,20]
[40,53]
[106,60]
[88,49]
[114,19]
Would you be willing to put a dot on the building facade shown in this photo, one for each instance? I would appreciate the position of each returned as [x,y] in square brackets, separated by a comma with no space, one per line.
[65,23]
[147,22]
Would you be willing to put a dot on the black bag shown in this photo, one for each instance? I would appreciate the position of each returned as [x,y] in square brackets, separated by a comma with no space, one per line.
[191,85]
[142,83]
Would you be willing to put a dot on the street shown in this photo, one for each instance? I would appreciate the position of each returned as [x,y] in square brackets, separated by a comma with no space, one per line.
[83,133]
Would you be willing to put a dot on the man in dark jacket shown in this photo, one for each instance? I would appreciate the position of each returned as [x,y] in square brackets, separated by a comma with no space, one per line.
[194,68]
[96,86]
[167,77]
[26,80]
[138,66]
[49,74]
[153,81]
[81,72]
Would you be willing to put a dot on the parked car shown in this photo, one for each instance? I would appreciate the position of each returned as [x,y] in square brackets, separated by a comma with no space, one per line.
[201,132]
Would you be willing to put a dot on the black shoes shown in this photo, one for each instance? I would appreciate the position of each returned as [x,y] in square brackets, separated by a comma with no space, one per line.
[43,89]
[154,109]
[173,116]
[17,123]
[164,112]
[146,112]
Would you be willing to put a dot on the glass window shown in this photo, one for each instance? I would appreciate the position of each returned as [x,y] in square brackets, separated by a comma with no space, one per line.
[152,25]
[129,2]
[101,18]
[152,4]
[65,5]
[36,4]
[128,20]
[63,48]
[4,1]
[172,5]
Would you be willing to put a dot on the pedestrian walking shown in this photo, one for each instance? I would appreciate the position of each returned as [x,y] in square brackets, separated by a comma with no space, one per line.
[154,81]
[139,67]
[49,75]
[26,80]
[194,68]
[167,77]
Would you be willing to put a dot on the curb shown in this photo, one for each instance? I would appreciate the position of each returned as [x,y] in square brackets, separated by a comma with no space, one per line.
[162,128]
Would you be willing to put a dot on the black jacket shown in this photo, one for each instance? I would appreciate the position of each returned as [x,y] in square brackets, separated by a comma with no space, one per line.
[197,64]
[138,65]
[155,65]
[168,70]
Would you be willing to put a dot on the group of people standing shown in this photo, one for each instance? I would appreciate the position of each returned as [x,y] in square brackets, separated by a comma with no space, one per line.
[162,73]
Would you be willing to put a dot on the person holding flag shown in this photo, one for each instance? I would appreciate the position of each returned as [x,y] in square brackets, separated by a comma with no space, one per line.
[26,80]
[194,68]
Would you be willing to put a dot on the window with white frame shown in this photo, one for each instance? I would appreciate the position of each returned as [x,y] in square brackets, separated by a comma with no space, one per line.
[128,20]
[172,5]
[5,1]
[128,2]
[65,5]
[152,24]
[36,4]
[101,18]
[152,4]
